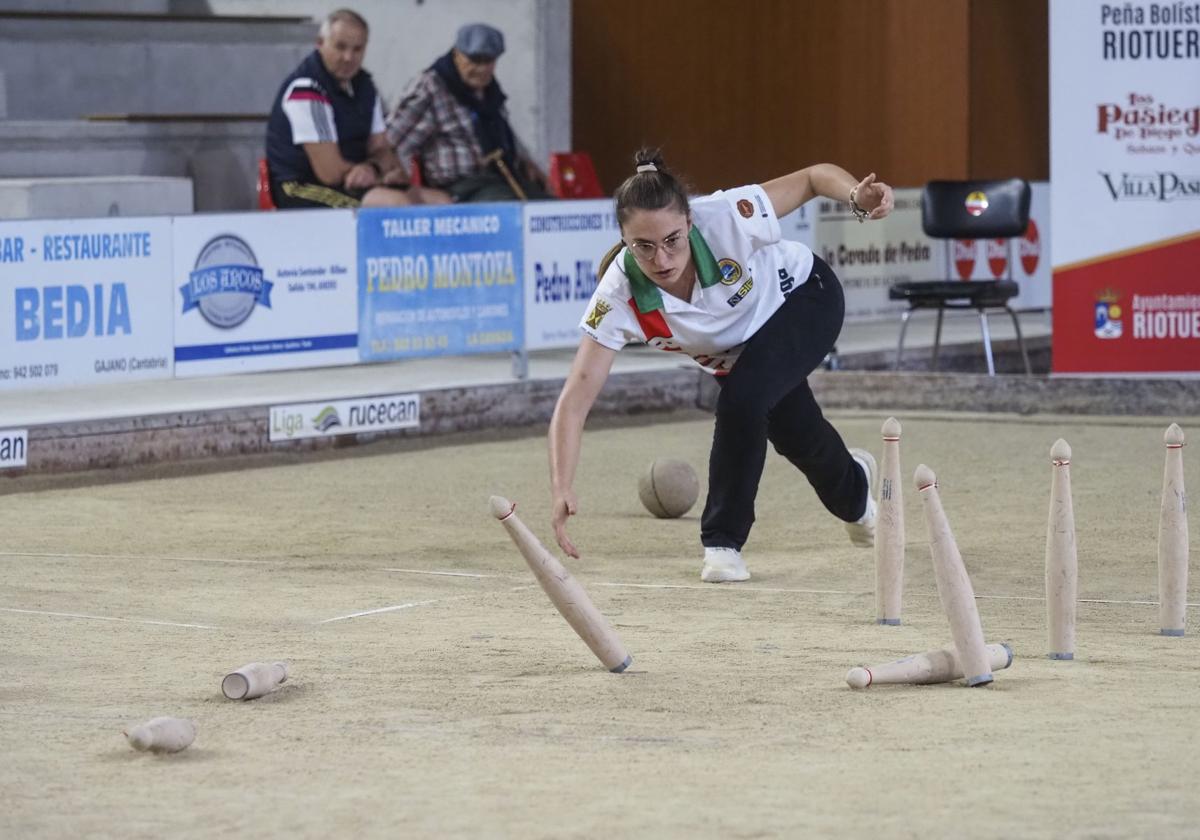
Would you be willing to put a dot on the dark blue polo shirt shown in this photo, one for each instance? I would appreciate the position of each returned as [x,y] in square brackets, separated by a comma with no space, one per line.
[313,88]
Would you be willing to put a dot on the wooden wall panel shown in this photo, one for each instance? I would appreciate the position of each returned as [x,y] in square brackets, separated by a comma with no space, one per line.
[740,92]
[1010,89]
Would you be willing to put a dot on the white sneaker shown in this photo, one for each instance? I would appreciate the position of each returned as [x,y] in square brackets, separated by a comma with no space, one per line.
[862,532]
[723,565]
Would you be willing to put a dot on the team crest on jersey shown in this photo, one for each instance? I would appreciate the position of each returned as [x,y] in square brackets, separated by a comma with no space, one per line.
[745,208]
[731,272]
[597,314]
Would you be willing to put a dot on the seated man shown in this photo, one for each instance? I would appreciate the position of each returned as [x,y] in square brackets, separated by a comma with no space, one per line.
[326,144]
[453,118]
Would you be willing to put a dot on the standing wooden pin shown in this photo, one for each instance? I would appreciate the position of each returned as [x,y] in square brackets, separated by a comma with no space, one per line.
[1173,540]
[565,592]
[954,586]
[1062,567]
[889,530]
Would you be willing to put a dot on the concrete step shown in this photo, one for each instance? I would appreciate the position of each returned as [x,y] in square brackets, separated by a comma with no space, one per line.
[112,195]
[70,65]
[219,157]
[160,7]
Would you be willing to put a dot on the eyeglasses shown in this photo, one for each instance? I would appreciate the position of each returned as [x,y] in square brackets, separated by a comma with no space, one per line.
[480,58]
[672,245]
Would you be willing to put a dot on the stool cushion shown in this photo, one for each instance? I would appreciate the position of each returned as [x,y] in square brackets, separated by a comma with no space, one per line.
[954,294]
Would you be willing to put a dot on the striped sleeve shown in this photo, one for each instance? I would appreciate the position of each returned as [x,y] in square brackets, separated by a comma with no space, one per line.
[310,112]
[378,126]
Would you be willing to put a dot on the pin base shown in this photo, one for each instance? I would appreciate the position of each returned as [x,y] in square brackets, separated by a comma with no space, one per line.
[890,622]
[982,679]
[1166,632]
[622,666]
[1060,656]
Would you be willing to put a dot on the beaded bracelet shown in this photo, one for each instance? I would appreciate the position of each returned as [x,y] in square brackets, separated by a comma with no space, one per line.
[858,212]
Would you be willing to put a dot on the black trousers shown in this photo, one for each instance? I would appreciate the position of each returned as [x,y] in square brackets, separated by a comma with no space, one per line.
[766,397]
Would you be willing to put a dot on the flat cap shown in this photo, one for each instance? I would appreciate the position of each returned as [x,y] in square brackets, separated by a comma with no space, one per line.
[480,40]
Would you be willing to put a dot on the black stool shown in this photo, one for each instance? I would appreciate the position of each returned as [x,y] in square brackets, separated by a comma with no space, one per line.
[968,210]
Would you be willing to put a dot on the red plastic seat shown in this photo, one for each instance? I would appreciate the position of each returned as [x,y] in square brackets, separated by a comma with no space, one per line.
[572,175]
[263,186]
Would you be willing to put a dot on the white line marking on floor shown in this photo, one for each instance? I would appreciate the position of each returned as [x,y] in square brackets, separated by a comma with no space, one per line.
[769,589]
[383,610]
[737,588]
[131,557]
[410,605]
[1077,600]
[443,574]
[109,618]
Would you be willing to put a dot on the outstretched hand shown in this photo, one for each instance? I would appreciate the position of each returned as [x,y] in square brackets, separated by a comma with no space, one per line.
[874,196]
[565,505]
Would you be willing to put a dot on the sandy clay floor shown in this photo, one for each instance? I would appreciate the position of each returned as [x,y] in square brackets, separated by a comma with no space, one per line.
[436,692]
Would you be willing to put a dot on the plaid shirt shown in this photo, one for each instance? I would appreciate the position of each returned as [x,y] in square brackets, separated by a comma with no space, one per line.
[431,123]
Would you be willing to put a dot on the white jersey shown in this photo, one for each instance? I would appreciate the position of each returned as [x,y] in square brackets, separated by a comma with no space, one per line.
[744,272]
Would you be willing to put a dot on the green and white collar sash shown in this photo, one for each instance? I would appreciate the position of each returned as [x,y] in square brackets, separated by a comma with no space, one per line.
[648,297]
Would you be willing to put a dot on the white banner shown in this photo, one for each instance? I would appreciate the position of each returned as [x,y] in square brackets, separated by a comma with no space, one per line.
[564,242]
[1124,125]
[84,301]
[265,291]
[869,257]
[345,417]
[1125,170]
[14,448]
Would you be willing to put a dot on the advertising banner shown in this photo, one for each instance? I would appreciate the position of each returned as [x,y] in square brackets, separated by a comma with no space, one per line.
[868,258]
[84,301]
[437,281]
[345,417]
[1125,175]
[14,448]
[264,291]
[564,242]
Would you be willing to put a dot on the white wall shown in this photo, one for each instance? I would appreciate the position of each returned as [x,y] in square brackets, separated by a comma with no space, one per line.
[407,35]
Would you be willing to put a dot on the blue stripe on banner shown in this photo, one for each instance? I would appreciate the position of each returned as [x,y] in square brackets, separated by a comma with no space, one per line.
[196,352]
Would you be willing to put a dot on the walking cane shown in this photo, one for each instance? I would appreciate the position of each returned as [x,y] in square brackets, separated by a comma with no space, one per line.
[496,156]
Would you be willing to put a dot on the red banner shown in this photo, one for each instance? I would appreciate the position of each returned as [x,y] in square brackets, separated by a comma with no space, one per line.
[1136,312]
